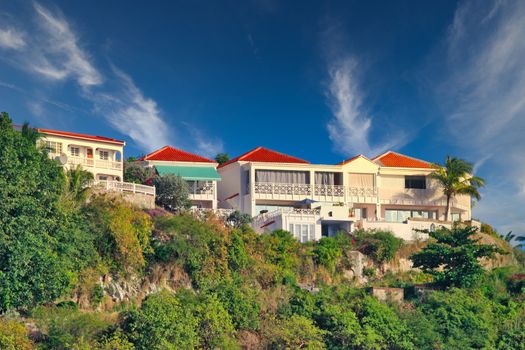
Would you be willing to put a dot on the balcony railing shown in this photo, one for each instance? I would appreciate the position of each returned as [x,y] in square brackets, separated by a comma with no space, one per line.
[91,162]
[329,190]
[124,187]
[274,188]
[202,190]
[325,193]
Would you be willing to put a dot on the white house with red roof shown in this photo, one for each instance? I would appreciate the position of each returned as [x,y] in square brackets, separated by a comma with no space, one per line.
[391,191]
[200,173]
[99,155]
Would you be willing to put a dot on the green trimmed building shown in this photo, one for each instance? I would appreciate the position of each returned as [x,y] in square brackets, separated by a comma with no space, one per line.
[200,173]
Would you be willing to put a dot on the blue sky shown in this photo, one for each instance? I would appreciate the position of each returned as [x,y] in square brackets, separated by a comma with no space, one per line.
[322,81]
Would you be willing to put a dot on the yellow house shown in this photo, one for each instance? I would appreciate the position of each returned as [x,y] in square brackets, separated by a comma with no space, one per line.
[102,156]
[391,191]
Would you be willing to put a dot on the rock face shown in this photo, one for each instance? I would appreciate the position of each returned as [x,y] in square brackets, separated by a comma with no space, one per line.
[135,288]
[395,295]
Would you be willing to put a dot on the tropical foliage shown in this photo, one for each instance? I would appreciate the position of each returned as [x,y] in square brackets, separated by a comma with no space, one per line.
[456,177]
[454,257]
[83,270]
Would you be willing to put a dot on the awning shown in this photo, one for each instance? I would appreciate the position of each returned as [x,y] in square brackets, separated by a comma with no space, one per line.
[189,172]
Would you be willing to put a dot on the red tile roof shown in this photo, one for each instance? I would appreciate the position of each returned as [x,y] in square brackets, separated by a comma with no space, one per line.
[351,159]
[397,160]
[168,153]
[80,136]
[265,155]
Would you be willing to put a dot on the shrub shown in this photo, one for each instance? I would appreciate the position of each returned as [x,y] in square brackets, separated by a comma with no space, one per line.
[240,302]
[162,323]
[238,219]
[381,246]
[457,313]
[327,252]
[65,326]
[296,332]
[13,336]
[122,232]
[136,173]
[172,192]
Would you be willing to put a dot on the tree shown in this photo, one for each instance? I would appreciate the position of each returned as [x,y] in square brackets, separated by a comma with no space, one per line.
[222,158]
[296,332]
[453,258]
[162,323]
[42,242]
[77,183]
[172,192]
[136,173]
[238,219]
[455,177]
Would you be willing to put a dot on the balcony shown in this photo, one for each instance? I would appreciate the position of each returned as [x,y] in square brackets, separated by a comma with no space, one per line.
[321,193]
[282,191]
[201,190]
[118,186]
[417,197]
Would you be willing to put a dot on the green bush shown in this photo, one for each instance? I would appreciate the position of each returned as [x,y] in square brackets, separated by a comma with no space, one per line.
[13,336]
[327,252]
[296,332]
[64,326]
[381,246]
[163,322]
[172,192]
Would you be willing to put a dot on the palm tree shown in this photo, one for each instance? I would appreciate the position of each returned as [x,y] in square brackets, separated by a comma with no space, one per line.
[456,177]
[77,183]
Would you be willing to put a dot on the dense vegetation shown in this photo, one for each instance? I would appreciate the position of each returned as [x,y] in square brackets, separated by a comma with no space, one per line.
[67,259]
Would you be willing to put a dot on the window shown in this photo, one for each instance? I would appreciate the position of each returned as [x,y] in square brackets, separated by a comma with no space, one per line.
[74,151]
[417,182]
[455,217]
[104,155]
[360,213]
[398,215]
[53,147]
[102,178]
[303,232]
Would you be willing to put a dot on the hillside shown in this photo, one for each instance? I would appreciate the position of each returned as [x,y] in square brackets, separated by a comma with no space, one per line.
[81,270]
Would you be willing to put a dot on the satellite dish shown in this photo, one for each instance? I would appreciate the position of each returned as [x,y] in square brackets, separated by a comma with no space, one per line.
[62,159]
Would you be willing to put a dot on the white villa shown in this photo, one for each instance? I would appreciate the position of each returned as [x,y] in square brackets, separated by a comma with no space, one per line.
[200,173]
[99,155]
[102,156]
[391,191]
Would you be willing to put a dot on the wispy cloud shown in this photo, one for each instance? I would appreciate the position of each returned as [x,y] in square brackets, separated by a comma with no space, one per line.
[61,56]
[10,38]
[483,97]
[54,51]
[350,127]
[131,113]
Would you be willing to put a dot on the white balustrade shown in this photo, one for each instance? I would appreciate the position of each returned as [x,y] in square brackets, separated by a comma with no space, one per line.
[124,187]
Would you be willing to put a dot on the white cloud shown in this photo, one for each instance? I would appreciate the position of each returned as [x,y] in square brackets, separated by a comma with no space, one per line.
[12,39]
[131,113]
[350,127]
[59,55]
[483,97]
